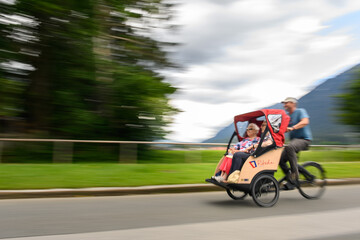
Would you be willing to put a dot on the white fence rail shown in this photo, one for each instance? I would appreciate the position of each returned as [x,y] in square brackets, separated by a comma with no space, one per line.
[63,148]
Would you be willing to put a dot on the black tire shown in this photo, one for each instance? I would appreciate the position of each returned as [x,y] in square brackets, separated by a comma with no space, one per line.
[236,194]
[265,191]
[311,186]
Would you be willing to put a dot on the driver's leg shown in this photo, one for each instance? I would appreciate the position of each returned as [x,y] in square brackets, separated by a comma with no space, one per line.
[283,163]
[295,146]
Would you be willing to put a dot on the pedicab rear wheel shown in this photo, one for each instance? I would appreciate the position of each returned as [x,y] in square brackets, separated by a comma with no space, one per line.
[312,180]
[265,191]
[236,194]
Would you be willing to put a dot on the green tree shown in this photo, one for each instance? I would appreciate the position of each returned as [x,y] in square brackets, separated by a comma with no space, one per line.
[7,57]
[56,93]
[349,104]
[13,72]
[93,68]
[133,88]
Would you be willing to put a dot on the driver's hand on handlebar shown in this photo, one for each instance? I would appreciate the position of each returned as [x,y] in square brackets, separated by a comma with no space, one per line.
[289,129]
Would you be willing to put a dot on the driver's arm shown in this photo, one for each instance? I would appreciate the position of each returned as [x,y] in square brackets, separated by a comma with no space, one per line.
[303,122]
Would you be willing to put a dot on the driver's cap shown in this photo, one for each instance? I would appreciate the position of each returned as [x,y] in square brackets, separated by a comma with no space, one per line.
[290,99]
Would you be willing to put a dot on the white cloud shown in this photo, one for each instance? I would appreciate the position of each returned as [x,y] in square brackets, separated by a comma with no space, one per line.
[243,55]
[321,44]
[305,25]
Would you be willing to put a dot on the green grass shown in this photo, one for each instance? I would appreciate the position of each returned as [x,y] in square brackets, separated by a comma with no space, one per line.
[330,155]
[213,156]
[154,167]
[44,176]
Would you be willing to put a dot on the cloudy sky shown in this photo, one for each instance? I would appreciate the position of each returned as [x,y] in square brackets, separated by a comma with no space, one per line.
[242,55]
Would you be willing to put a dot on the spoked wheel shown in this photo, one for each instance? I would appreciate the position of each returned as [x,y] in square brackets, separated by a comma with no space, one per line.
[236,194]
[312,180]
[265,191]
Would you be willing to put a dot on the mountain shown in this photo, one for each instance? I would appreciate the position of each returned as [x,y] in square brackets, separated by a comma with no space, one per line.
[321,106]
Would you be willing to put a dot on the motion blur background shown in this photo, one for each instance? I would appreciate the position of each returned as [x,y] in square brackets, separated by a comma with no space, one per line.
[156,70]
[106,93]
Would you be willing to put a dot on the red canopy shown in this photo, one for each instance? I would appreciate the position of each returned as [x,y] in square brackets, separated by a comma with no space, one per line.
[277,121]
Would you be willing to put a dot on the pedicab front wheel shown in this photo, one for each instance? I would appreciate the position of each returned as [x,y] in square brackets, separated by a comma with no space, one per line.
[236,194]
[265,191]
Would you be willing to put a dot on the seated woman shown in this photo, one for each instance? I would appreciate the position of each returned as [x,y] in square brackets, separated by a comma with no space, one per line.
[239,158]
[245,146]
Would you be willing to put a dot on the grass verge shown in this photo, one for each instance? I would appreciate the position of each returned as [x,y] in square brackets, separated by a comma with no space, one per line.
[45,176]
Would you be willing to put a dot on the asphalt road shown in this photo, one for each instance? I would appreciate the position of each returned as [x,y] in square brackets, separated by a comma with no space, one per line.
[211,215]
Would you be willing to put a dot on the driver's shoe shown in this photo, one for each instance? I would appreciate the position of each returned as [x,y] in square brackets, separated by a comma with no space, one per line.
[294,179]
[288,186]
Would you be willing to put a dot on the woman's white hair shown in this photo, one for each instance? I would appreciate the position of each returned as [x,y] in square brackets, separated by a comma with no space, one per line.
[256,127]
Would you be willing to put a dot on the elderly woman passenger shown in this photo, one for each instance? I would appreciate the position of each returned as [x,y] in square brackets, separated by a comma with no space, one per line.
[246,146]
[240,157]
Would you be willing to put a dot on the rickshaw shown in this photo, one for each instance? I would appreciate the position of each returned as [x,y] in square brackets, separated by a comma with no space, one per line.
[256,176]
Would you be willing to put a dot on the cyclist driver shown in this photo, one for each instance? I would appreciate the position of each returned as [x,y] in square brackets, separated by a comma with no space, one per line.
[300,137]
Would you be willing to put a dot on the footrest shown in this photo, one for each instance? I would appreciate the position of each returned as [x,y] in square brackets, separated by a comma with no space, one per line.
[220,184]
